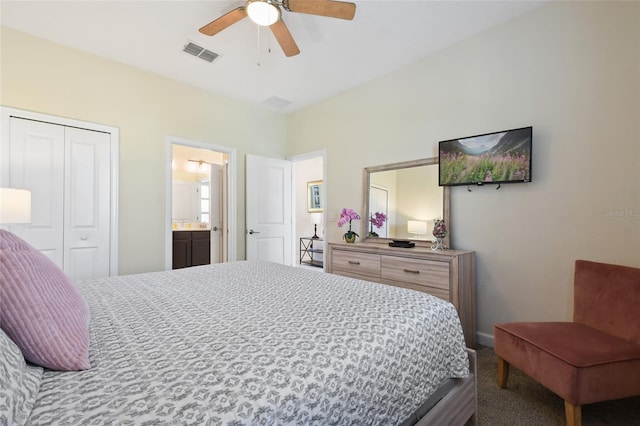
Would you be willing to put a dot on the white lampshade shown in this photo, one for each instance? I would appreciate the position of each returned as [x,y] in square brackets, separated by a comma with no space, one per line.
[15,205]
[262,12]
[418,227]
[316,218]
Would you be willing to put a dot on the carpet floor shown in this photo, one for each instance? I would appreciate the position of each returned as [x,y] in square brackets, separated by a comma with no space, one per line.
[525,402]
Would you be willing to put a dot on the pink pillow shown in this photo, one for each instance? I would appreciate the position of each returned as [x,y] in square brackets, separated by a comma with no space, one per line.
[41,310]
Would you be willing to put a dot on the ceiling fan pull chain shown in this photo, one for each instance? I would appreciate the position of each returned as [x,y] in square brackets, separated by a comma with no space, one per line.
[268,41]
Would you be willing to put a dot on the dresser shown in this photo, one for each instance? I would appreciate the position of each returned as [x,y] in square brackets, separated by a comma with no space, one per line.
[447,274]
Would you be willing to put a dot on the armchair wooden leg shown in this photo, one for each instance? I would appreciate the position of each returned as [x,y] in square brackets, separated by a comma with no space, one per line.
[573,414]
[503,373]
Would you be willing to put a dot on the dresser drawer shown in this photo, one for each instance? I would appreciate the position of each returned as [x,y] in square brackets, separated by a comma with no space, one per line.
[418,272]
[356,263]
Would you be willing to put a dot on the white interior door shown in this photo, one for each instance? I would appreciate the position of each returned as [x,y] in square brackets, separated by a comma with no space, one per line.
[36,162]
[268,204]
[87,204]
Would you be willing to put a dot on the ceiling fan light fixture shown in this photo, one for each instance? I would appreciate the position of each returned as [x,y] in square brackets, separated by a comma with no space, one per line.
[263,12]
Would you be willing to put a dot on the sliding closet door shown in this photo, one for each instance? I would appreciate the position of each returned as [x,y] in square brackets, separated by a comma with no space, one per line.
[86,218]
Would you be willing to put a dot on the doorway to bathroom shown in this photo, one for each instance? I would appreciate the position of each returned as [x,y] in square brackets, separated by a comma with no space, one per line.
[201,198]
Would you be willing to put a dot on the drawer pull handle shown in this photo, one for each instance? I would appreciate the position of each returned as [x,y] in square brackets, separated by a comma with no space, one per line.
[412,271]
[353,262]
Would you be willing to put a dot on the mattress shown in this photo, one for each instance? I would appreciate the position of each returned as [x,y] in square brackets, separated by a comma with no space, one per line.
[254,343]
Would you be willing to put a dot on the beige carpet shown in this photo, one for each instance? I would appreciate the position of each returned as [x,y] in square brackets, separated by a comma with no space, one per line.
[525,402]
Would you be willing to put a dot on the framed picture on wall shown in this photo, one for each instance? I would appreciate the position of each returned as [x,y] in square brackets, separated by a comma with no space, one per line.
[314,196]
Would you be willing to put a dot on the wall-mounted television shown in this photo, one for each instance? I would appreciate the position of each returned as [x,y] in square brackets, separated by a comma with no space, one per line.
[498,157]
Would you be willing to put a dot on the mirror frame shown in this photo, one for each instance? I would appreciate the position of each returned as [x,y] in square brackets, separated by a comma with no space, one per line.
[366,182]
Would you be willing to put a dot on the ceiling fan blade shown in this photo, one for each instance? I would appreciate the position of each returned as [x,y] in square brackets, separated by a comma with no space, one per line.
[286,41]
[329,8]
[226,20]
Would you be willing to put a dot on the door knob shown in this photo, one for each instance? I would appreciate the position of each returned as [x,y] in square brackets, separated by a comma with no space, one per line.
[251,232]
[215,228]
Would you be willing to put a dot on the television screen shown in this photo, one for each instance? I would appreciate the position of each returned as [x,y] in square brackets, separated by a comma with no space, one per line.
[499,157]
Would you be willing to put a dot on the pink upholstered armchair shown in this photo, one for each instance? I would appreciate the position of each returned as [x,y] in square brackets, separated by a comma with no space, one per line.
[594,358]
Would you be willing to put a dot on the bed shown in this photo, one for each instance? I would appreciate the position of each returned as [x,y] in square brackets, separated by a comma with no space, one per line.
[251,343]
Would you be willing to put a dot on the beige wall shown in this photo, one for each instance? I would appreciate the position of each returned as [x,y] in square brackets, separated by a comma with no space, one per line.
[569,69]
[40,76]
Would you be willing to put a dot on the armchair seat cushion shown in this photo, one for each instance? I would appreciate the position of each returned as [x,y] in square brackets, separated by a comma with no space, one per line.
[579,363]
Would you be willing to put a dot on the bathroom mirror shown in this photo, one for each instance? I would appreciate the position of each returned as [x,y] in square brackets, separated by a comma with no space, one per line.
[409,195]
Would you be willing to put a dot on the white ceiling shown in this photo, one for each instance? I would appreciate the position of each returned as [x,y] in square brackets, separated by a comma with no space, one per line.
[336,55]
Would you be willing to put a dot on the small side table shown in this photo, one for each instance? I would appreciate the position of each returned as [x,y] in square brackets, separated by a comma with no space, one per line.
[308,247]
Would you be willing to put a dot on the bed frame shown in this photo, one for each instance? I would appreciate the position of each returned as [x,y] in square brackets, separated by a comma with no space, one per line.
[460,405]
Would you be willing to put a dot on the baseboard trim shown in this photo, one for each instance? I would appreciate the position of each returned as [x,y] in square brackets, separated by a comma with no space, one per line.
[485,339]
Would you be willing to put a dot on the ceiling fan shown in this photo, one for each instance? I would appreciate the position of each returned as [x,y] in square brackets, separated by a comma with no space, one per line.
[268,13]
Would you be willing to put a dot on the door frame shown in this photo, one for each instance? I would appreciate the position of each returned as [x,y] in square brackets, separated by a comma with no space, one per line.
[294,201]
[114,141]
[232,234]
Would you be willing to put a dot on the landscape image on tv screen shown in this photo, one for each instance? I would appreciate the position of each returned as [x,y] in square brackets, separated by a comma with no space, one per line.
[499,157]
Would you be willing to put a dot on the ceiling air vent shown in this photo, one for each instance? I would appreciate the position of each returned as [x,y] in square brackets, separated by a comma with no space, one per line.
[276,102]
[200,52]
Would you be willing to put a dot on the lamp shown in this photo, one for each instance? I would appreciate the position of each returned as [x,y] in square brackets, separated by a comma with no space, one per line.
[316,219]
[197,166]
[263,12]
[15,205]
[417,227]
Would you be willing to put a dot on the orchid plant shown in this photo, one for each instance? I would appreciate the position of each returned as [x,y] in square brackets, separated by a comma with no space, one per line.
[377,219]
[346,216]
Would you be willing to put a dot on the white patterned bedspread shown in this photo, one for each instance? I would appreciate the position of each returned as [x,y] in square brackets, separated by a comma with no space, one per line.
[254,343]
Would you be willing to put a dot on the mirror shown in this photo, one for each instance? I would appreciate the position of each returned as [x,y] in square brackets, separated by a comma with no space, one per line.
[409,195]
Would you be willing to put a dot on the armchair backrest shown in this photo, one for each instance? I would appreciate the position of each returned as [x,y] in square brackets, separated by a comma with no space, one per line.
[607,297]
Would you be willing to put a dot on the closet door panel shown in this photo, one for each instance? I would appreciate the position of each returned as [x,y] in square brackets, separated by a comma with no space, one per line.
[36,155]
[87,209]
